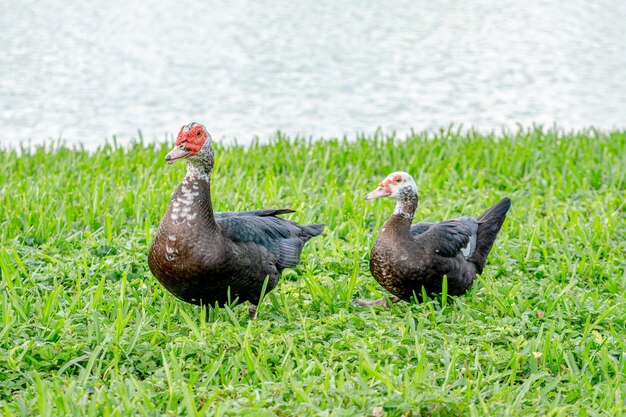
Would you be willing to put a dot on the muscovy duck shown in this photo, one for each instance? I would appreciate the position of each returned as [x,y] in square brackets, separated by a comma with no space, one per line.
[206,258]
[407,257]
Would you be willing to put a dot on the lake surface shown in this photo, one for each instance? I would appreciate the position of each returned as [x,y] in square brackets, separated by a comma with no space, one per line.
[87,71]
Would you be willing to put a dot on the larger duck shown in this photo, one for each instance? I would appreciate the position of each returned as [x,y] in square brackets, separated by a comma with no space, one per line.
[407,257]
[203,257]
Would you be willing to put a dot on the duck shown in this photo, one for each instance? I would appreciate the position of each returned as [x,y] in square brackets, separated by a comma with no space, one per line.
[407,258]
[216,258]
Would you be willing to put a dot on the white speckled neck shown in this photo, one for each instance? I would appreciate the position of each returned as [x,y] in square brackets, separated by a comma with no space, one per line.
[195,172]
[183,205]
[200,166]
[406,203]
[403,209]
[191,206]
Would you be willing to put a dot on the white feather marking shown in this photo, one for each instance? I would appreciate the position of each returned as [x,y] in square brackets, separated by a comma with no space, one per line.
[182,206]
[187,199]
[399,211]
[171,254]
[172,238]
[466,250]
[195,173]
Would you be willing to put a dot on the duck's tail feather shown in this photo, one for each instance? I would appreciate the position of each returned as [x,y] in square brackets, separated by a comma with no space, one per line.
[291,248]
[489,224]
[311,230]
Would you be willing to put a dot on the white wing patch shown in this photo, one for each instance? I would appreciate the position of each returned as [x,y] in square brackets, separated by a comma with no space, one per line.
[466,250]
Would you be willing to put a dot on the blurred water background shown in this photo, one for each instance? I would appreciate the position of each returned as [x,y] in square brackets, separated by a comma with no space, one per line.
[88,71]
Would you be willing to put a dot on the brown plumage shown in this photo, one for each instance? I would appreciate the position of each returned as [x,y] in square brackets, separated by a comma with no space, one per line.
[208,258]
[407,257]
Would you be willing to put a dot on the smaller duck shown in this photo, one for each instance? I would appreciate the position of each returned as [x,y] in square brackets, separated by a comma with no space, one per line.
[407,257]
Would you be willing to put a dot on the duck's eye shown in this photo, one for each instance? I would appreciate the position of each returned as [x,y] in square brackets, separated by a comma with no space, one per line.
[199,133]
[398,179]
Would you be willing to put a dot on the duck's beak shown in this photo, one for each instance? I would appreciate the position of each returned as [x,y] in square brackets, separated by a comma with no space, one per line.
[381,191]
[176,153]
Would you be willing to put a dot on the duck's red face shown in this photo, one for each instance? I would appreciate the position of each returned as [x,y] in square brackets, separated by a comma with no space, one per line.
[190,140]
[392,185]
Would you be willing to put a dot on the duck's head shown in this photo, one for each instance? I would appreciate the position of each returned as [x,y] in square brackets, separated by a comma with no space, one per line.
[398,185]
[193,141]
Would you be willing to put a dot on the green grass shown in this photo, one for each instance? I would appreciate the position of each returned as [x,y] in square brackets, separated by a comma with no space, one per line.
[86,329]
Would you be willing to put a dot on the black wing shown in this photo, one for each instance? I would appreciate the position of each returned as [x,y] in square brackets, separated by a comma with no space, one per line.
[452,237]
[472,223]
[259,213]
[419,228]
[281,237]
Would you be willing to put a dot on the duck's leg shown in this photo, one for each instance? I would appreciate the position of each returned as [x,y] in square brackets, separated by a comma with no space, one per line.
[372,303]
[252,311]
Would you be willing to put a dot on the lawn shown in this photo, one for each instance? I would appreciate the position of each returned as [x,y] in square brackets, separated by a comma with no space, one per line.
[87,330]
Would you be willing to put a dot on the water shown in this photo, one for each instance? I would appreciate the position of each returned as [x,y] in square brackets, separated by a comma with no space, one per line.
[88,71]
